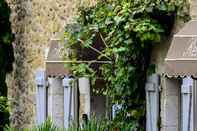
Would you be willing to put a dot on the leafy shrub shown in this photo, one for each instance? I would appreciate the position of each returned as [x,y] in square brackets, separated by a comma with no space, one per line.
[127,31]
[6,59]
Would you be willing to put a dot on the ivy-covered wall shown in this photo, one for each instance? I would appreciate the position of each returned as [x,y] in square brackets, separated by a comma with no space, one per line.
[34,22]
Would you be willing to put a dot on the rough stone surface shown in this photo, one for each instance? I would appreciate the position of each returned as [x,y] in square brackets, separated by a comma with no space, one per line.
[56,101]
[82,106]
[171,104]
[34,22]
[193,9]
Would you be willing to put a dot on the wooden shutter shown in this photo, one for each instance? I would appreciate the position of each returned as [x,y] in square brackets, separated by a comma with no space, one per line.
[152,103]
[70,101]
[40,97]
[186,105]
[194,99]
[67,101]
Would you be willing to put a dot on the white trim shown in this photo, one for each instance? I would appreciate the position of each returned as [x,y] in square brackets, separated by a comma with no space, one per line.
[55,39]
[177,35]
[181,59]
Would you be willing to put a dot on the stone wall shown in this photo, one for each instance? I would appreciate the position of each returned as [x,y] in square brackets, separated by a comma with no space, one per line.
[193,9]
[34,22]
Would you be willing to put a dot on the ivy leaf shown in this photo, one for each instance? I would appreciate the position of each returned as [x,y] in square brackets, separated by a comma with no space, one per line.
[149,9]
[119,50]
[94,27]
[108,21]
[163,7]
[87,43]
[118,19]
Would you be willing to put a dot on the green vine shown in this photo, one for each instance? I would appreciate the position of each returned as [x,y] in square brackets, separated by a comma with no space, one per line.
[126,31]
[6,60]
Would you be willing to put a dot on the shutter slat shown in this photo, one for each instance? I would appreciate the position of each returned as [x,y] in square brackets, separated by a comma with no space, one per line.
[186,105]
[40,97]
[152,100]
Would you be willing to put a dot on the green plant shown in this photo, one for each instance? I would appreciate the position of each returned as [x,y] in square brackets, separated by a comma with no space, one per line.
[46,126]
[6,59]
[126,31]
[7,128]
[92,125]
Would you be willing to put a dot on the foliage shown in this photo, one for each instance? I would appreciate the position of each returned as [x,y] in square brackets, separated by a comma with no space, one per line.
[46,126]
[127,30]
[3,104]
[6,59]
[92,125]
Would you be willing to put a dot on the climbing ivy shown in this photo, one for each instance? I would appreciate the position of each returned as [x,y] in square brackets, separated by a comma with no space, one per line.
[6,60]
[126,31]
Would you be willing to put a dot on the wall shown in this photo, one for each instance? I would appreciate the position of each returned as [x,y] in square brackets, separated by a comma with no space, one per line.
[34,22]
[193,9]
[170,88]
[169,95]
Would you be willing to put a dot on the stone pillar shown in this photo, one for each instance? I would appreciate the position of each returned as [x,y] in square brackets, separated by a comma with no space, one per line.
[170,105]
[84,90]
[56,101]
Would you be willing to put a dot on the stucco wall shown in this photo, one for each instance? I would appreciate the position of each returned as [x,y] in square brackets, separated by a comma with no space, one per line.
[34,22]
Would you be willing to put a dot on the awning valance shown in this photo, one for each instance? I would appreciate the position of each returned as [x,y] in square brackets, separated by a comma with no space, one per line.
[54,61]
[181,58]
